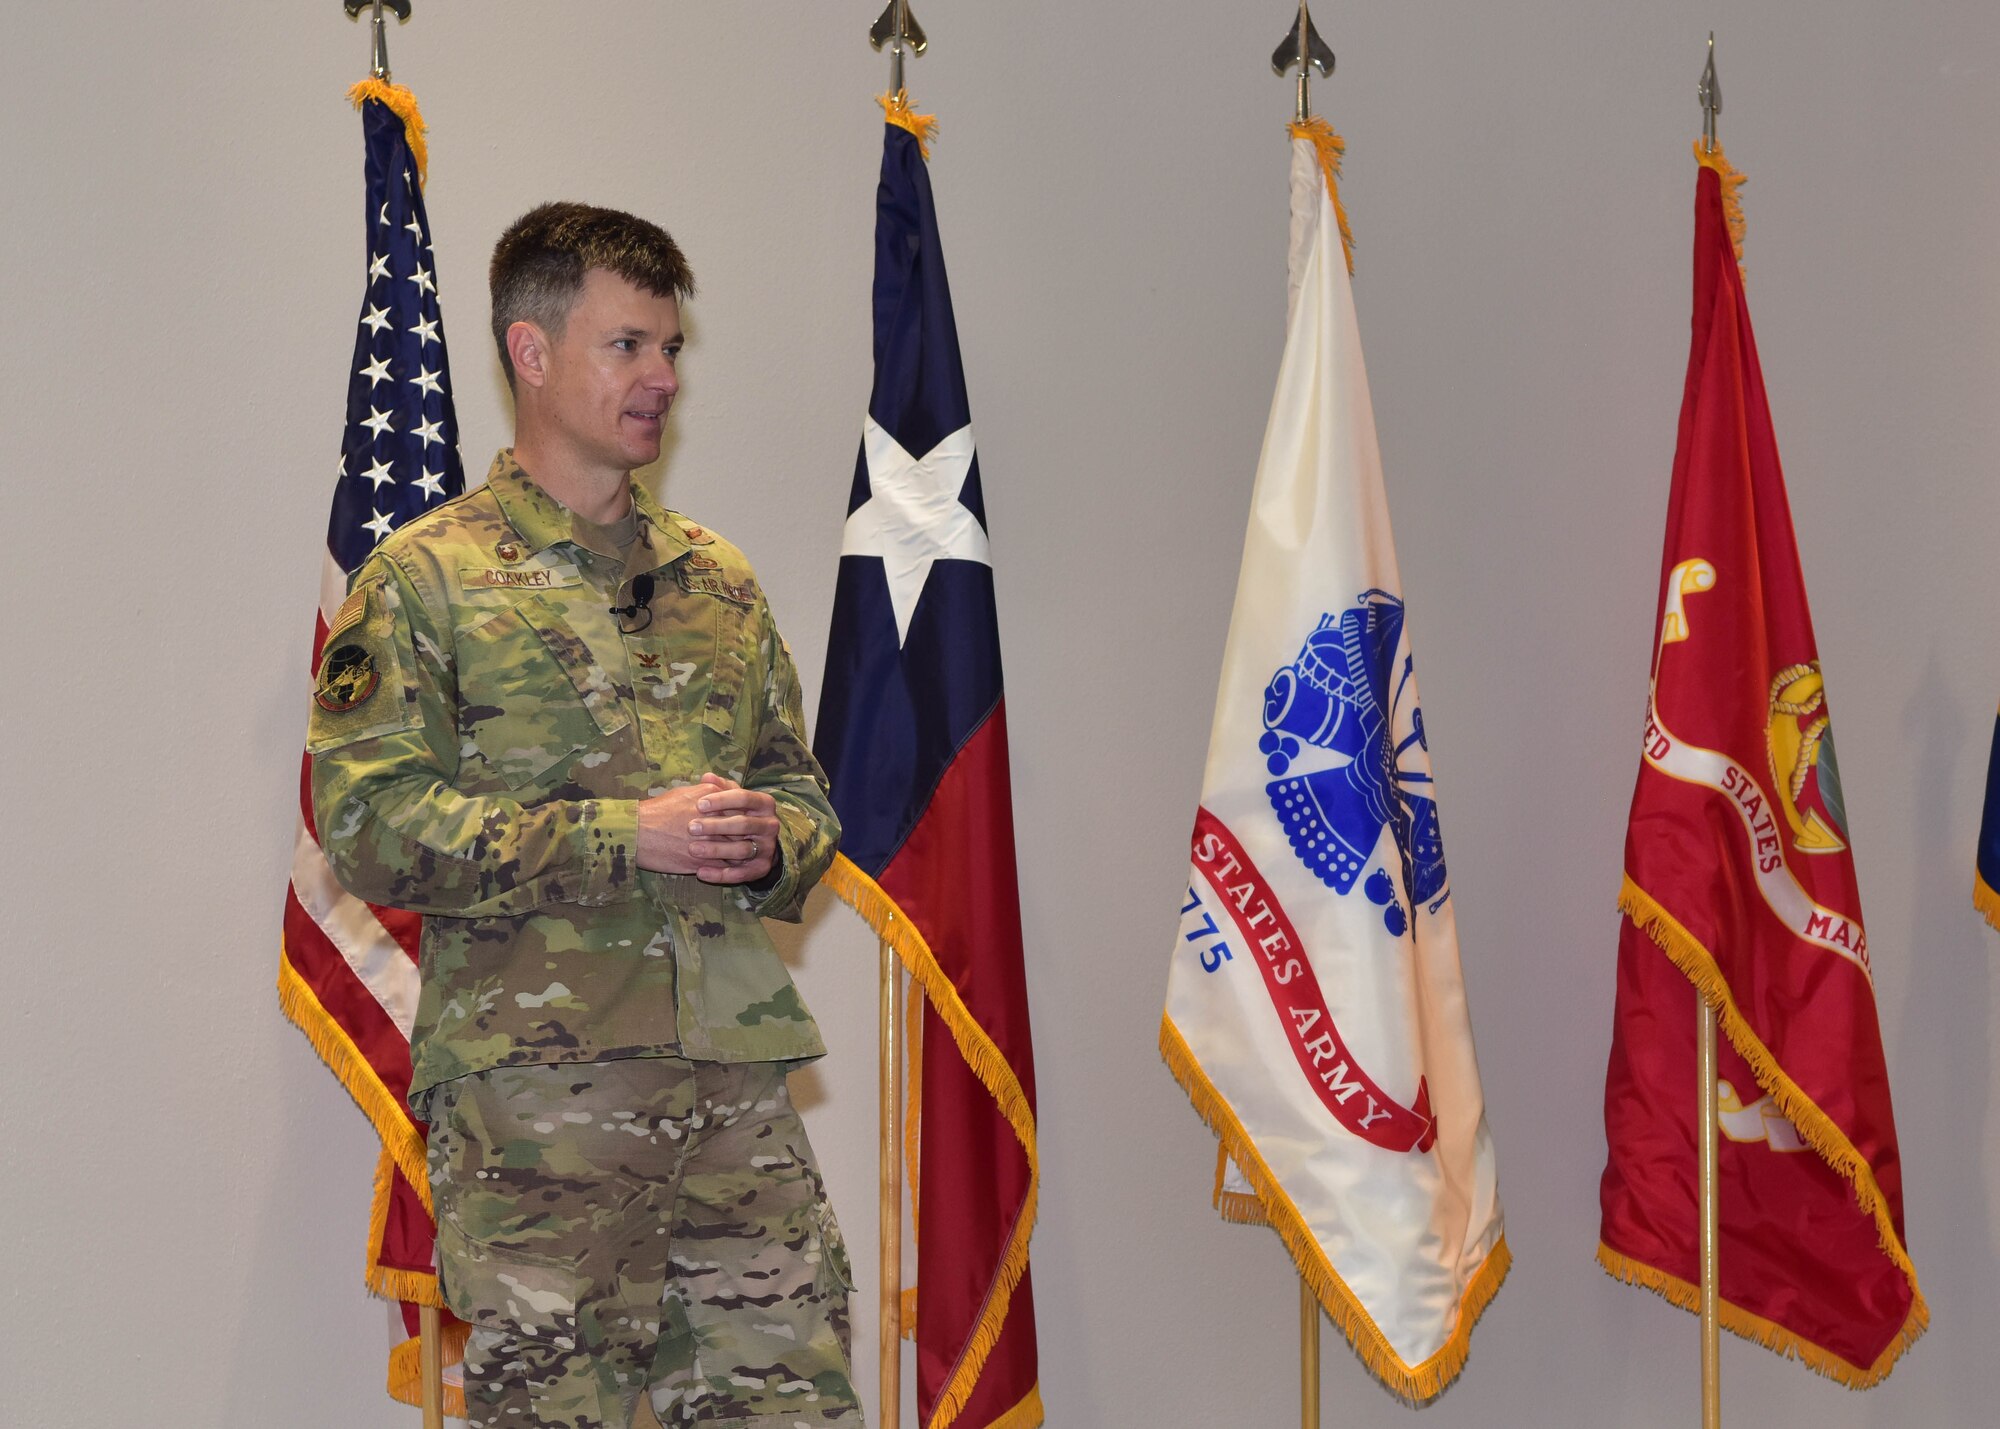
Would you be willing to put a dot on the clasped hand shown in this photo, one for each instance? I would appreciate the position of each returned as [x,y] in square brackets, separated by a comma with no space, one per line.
[715,830]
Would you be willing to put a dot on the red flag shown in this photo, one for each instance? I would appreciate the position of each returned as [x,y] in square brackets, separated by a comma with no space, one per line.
[1737,869]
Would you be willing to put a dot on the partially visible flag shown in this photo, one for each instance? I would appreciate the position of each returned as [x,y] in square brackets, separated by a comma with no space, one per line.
[347,973]
[1315,1011]
[913,734]
[1737,868]
[1986,871]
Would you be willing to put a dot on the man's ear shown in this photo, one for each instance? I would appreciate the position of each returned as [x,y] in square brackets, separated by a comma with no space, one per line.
[528,349]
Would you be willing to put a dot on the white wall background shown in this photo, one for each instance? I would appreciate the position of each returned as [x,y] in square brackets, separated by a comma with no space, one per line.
[184,1190]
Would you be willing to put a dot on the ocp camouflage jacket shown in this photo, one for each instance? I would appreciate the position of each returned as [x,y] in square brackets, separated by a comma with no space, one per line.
[482,733]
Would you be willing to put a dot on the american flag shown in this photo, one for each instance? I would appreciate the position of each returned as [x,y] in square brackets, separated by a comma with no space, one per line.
[348,970]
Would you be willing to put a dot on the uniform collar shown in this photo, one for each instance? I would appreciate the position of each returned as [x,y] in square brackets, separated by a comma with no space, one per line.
[541,521]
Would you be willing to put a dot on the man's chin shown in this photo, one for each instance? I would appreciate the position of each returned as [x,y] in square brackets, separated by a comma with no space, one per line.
[641,453]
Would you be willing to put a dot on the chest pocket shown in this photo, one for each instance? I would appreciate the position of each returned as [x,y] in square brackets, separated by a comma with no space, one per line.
[531,694]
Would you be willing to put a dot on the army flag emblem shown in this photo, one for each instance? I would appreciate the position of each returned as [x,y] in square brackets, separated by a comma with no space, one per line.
[1315,1012]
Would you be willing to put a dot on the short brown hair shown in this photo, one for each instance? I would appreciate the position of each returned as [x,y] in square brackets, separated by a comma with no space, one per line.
[539,264]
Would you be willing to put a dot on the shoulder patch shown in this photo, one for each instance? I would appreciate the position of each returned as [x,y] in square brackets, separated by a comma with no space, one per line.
[348,678]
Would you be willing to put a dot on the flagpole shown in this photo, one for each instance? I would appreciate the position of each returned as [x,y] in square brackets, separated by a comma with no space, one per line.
[1303,46]
[1709,93]
[1305,78]
[896,58]
[430,1356]
[890,1212]
[1705,1055]
[1308,1356]
[897,30]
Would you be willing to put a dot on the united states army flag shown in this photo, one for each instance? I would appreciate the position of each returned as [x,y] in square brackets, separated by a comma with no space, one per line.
[1315,1013]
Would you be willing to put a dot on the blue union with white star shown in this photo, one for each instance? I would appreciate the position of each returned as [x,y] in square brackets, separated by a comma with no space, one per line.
[913,660]
[399,454]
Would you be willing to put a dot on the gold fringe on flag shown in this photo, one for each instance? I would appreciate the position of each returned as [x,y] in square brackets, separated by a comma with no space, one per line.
[1756,1328]
[866,897]
[1732,199]
[1985,899]
[896,108]
[403,105]
[1239,1206]
[1025,1415]
[1414,1384]
[1815,1126]
[1331,148]
[406,1369]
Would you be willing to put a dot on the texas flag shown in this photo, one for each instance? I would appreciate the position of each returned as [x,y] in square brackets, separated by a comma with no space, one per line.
[1315,1011]
[913,734]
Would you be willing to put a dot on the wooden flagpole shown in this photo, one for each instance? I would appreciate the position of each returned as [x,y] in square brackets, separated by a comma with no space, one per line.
[1711,1327]
[1709,93]
[898,31]
[430,1356]
[891,1208]
[1308,1356]
[1303,46]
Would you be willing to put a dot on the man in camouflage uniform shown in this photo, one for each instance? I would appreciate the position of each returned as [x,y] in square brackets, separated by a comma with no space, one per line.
[558,720]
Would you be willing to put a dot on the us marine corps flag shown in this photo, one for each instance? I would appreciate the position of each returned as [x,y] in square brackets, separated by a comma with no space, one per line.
[913,735]
[1986,870]
[1739,885]
[1315,1013]
[347,973]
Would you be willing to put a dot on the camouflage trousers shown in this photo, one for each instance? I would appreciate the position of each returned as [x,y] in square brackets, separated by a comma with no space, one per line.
[645,1224]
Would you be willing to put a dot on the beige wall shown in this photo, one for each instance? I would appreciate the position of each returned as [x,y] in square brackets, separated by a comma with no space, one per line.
[185,1189]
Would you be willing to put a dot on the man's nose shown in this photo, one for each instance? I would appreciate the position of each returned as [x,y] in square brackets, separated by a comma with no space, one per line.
[663,376]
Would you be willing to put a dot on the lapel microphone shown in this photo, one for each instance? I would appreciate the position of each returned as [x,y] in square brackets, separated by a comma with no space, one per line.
[642,600]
